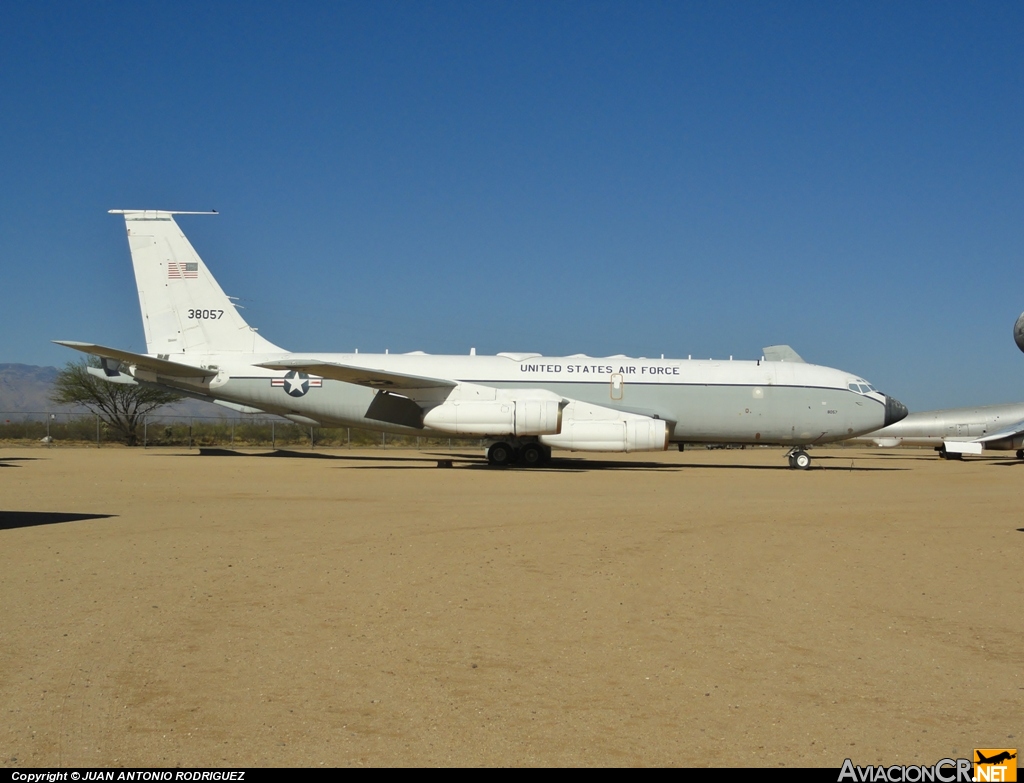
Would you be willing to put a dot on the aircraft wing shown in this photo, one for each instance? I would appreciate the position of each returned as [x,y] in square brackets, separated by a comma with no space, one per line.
[1006,432]
[159,366]
[361,376]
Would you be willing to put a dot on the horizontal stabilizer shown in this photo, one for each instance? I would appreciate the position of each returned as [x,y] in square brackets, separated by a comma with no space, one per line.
[155,214]
[117,377]
[361,376]
[151,363]
[782,353]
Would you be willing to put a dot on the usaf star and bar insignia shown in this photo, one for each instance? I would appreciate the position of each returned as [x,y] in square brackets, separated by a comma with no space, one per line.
[297,383]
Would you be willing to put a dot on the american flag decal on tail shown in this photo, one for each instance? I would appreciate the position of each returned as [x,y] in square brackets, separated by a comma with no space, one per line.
[181,270]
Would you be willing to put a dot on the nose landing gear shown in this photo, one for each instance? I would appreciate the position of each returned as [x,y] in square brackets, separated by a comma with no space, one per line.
[799,459]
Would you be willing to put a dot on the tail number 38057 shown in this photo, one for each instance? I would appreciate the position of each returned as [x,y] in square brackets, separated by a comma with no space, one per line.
[205,315]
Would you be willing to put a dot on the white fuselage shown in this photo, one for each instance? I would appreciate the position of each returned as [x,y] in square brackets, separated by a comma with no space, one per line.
[701,400]
[198,342]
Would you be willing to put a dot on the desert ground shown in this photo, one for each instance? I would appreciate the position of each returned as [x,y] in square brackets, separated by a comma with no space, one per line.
[339,608]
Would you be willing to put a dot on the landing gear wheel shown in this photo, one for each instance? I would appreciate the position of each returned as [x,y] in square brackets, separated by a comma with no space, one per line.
[501,455]
[800,460]
[1020,453]
[953,455]
[531,455]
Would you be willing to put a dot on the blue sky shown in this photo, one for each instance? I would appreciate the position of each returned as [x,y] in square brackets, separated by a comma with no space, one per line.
[677,178]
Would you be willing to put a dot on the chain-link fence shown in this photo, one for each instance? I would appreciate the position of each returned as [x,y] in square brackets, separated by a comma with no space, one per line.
[196,431]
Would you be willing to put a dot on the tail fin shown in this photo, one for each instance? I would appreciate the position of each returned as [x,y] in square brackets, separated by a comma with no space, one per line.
[184,310]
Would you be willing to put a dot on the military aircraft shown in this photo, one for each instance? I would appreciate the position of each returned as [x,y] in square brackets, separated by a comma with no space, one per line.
[957,431]
[524,404]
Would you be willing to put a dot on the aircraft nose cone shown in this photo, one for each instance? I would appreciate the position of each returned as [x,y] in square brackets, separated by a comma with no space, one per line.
[894,410]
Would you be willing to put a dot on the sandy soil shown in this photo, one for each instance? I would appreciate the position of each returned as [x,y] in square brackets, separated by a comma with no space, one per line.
[167,608]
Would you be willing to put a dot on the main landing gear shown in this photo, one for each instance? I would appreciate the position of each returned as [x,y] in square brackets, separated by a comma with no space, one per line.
[529,454]
[799,459]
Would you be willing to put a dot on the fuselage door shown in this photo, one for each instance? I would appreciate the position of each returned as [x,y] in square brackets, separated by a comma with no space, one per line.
[616,386]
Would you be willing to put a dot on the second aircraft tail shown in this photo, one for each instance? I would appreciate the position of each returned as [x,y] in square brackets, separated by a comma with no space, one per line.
[184,310]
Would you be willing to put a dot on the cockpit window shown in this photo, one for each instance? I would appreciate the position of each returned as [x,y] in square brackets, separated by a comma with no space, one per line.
[861,387]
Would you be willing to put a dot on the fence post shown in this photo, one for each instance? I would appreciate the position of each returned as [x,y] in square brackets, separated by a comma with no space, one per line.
[145,432]
[232,432]
[312,443]
[273,435]
[348,437]
[190,432]
[383,440]
[97,431]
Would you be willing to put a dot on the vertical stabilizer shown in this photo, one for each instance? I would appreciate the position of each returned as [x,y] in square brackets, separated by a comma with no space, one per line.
[184,310]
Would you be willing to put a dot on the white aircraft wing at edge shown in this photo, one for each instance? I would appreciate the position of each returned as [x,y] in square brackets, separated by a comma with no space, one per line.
[361,376]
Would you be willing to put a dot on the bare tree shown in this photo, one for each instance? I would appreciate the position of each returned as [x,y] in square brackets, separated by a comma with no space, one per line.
[121,405]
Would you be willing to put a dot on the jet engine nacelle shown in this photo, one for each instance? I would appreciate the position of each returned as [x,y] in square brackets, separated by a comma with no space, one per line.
[886,443]
[497,417]
[1018,332]
[632,434]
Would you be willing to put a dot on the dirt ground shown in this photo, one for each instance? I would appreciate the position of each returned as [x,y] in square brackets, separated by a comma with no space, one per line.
[162,607]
